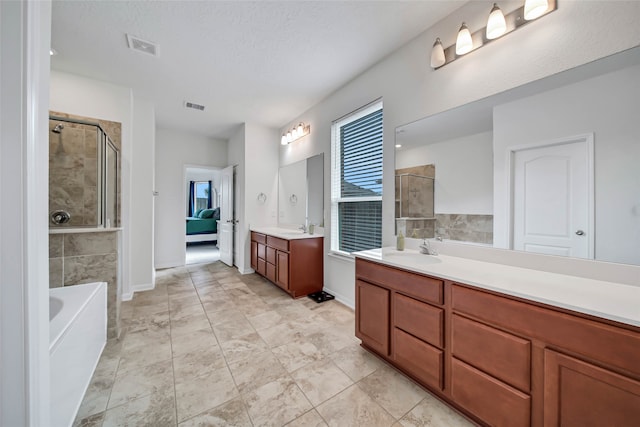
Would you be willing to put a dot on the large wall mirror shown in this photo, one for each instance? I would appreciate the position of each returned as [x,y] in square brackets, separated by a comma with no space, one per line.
[301,192]
[550,167]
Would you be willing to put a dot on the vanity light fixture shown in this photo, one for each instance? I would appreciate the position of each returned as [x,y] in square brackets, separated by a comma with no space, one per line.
[498,24]
[437,54]
[464,44]
[534,9]
[295,133]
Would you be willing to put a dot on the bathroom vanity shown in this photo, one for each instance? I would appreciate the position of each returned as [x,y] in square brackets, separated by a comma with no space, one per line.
[507,346]
[290,259]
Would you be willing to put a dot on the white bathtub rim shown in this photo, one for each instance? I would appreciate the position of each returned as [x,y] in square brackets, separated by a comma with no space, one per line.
[75,299]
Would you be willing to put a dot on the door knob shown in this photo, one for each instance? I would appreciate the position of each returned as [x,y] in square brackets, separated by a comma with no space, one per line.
[580,233]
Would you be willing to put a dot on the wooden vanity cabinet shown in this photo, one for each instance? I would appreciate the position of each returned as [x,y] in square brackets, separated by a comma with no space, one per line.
[501,360]
[294,265]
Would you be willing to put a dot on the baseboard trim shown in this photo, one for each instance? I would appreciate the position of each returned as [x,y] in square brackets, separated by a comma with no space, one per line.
[169,264]
[341,298]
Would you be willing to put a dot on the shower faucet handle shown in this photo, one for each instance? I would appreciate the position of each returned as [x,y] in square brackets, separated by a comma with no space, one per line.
[60,217]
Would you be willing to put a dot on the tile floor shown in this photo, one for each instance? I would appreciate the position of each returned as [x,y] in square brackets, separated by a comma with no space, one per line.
[211,347]
[198,253]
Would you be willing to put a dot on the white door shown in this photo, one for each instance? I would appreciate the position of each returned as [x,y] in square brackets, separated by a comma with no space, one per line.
[553,199]
[225,226]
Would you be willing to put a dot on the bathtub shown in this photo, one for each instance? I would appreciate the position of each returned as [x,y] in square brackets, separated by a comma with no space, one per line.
[77,336]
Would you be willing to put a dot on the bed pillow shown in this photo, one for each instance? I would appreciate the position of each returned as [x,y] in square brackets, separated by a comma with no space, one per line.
[206,213]
[216,213]
[196,214]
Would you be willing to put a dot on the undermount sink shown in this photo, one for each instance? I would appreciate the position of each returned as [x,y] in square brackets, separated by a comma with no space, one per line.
[412,257]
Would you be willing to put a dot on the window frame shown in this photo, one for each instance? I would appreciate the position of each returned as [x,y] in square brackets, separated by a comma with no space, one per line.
[336,155]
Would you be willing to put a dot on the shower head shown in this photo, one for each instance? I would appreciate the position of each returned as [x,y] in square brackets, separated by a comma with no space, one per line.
[58,128]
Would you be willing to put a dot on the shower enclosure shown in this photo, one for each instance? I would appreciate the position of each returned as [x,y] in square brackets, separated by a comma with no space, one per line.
[83,175]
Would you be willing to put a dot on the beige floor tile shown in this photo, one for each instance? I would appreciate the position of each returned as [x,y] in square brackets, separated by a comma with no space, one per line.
[243,347]
[354,407]
[135,358]
[188,324]
[144,337]
[185,311]
[281,334]
[157,409]
[232,413]
[232,329]
[198,363]
[393,391]
[95,420]
[96,397]
[201,339]
[214,303]
[329,341]
[205,392]
[431,412]
[356,362]
[310,419]
[276,403]
[256,371]
[152,320]
[218,317]
[183,301]
[136,384]
[321,380]
[296,354]
[266,320]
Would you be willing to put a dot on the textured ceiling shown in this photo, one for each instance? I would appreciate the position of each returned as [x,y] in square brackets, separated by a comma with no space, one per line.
[263,62]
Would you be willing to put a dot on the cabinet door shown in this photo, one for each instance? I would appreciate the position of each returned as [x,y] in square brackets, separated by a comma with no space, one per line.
[372,316]
[254,255]
[282,270]
[577,393]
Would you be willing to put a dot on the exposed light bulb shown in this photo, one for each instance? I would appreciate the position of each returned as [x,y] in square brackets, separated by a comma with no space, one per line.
[398,145]
[437,54]
[535,8]
[464,44]
[496,25]
[300,129]
[283,141]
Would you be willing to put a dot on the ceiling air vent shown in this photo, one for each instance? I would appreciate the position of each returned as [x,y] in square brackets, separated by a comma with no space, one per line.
[144,46]
[188,104]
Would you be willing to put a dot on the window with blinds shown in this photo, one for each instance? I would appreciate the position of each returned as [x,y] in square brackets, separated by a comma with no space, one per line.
[356,181]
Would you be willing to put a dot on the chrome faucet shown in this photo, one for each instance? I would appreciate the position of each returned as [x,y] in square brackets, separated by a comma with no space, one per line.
[303,227]
[425,248]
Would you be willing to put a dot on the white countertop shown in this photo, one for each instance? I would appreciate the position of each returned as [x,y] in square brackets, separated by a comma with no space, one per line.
[609,300]
[286,233]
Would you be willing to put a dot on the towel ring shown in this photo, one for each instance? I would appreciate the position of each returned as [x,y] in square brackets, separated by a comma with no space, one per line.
[293,199]
[262,198]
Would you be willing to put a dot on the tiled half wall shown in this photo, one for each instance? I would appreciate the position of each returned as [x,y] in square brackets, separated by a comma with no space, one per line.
[77,258]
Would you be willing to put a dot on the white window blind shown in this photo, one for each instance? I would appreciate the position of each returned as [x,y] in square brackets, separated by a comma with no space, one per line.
[356,180]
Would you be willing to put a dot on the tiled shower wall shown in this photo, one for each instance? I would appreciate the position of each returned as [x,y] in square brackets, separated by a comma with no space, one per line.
[465,227]
[76,258]
[73,168]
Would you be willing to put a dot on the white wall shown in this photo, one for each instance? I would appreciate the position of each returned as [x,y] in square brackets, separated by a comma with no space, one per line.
[142,200]
[261,166]
[606,106]
[576,33]
[236,150]
[464,172]
[25,33]
[174,151]
[82,96]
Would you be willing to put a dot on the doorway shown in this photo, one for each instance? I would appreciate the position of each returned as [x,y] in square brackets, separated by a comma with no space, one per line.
[202,212]
[553,197]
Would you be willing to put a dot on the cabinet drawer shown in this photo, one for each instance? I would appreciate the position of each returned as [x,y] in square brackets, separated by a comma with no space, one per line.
[271,272]
[277,243]
[419,319]
[615,346]
[489,399]
[271,255]
[418,358]
[498,353]
[415,285]
[258,237]
[262,251]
